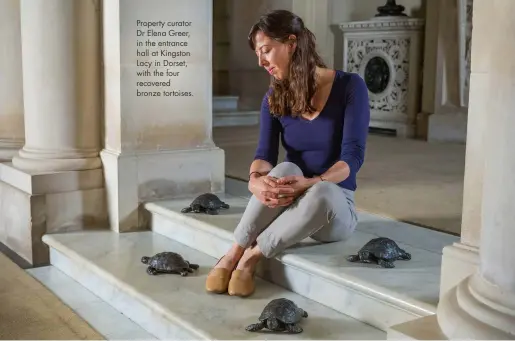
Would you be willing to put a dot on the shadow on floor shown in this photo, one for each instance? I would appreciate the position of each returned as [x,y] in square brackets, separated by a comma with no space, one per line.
[15,258]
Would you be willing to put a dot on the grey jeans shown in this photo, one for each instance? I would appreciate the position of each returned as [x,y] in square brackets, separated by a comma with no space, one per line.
[325,212]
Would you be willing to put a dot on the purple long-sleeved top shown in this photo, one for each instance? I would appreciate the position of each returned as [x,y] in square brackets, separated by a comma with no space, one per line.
[339,133]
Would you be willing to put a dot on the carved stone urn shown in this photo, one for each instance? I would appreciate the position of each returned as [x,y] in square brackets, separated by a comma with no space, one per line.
[391,9]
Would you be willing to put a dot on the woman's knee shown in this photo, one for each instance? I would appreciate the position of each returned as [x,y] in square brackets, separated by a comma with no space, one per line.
[342,226]
[322,188]
[285,169]
[324,193]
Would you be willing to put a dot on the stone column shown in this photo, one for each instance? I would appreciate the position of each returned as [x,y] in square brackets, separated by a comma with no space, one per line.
[443,115]
[61,78]
[11,85]
[55,183]
[158,81]
[462,259]
[317,17]
[482,306]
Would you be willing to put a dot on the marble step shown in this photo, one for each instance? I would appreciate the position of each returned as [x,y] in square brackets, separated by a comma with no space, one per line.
[235,118]
[174,307]
[225,103]
[226,137]
[377,296]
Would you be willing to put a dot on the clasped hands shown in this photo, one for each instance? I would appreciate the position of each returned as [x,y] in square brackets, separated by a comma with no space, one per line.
[274,192]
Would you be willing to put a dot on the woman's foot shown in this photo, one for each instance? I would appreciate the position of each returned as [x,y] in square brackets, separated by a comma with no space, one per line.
[250,259]
[228,261]
[218,278]
[242,279]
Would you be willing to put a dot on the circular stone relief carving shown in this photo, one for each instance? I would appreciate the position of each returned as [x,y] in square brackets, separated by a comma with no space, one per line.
[377,75]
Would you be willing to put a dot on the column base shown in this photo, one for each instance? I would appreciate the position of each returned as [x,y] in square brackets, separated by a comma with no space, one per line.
[477,310]
[55,161]
[458,262]
[133,179]
[32,205]
[9,148]
[6,155]
[447,127]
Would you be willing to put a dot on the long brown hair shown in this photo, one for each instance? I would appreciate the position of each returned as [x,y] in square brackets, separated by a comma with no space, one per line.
[291,96]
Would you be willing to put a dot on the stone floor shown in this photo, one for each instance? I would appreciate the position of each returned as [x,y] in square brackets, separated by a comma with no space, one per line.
[109,322]
[29,311]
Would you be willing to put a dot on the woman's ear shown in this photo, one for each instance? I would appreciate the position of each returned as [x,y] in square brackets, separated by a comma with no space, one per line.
[292,42]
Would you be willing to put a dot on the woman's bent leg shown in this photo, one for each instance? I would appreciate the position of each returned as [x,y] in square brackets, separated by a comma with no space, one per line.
[258,216]
[255,218]
[325,212]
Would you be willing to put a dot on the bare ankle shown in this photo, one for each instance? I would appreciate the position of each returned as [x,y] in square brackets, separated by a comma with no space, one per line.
[231,258]
[250,259]
[236,251]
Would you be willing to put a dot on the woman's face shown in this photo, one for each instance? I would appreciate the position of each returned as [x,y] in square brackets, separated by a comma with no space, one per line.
[273,55]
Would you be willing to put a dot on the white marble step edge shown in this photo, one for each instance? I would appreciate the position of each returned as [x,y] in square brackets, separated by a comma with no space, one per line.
[225,103]
[103,284]
[152,314]
[235,118]
[237,113]
[362,300]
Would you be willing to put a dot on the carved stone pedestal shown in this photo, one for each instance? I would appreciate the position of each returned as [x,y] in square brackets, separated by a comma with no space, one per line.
[157,146]
[386,52]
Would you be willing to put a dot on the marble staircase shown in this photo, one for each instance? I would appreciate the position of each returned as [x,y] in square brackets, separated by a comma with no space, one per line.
[226,113]
[379,297]
[175,307]
[345,300]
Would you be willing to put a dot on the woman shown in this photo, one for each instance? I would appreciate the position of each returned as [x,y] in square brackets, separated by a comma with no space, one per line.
[322,116]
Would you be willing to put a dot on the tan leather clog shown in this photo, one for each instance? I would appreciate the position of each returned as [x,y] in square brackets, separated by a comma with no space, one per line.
[217,280]
[241,283]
